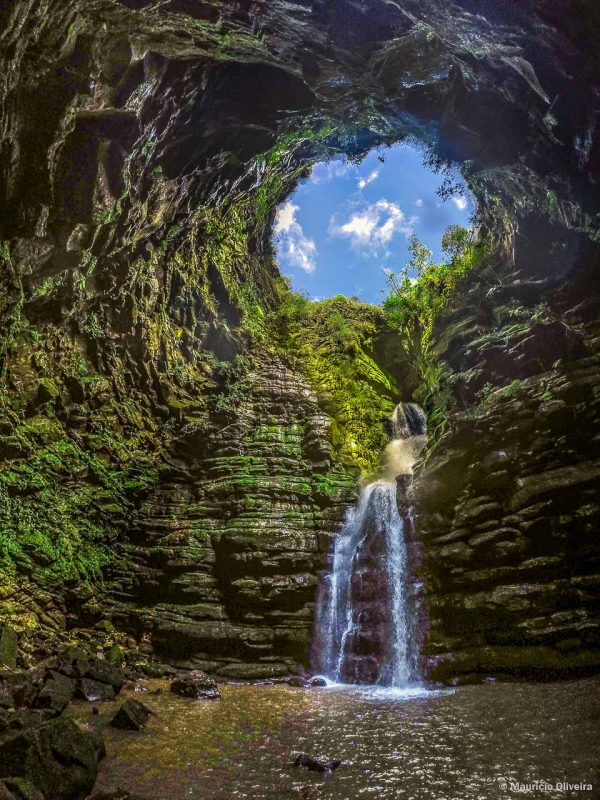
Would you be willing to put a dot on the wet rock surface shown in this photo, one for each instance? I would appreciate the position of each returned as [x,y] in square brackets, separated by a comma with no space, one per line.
[508,506]
[196,685]
[56,757]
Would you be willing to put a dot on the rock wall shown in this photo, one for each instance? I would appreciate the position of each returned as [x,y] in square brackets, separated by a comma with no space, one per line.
[219,571]
[508,502]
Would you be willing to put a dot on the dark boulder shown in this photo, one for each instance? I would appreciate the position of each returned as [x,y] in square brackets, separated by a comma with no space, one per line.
[73,662]
[103,672]
[78,664]
[56,692]
[314,764]
[132,716]
[58,758]
[298,682]
[318,682]
[18,789]
[197,685]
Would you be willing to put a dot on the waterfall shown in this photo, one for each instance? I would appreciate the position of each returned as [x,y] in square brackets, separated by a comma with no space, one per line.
[365,623]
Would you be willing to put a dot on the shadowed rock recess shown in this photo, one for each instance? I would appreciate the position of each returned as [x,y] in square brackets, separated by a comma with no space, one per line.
[167,463]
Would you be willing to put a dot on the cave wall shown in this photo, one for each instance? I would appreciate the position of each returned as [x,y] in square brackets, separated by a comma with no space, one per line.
[508,501]
[144,146]
[219,571]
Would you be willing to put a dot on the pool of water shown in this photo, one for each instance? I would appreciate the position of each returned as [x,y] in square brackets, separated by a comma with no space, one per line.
[473,743]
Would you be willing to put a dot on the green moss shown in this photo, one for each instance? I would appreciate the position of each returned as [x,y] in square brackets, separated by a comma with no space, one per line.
[416,303]
[332,342]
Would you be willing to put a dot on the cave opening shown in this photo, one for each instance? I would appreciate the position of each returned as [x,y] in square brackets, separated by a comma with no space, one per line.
[348,226]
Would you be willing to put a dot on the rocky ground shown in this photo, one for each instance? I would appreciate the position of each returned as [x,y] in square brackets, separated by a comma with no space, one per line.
[53,725]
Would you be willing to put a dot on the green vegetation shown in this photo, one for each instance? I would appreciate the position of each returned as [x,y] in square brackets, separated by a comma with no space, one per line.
[60,507]
[332,342]
[419,294]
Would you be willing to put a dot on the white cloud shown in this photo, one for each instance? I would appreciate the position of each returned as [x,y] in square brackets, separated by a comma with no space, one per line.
[285,218]
[374,225]
[324,173]
[369,179]
[460,203]
[419,202]
[296,248]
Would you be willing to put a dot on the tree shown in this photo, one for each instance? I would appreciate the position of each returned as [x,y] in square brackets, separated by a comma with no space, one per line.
[456,240]
[421,257]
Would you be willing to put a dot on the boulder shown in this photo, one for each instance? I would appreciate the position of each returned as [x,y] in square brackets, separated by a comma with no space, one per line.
[298,682]
[76,663]
[104,672]
[197,685]
[58,758]
[132,716]
[318,682]
[56,692]
[315,764]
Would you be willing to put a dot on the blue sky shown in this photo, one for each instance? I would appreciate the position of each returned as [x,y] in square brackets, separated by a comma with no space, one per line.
[347,224]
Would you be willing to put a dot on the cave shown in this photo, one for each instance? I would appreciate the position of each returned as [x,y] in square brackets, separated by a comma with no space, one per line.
[175,460]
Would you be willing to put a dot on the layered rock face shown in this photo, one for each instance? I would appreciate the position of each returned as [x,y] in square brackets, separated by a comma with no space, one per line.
[508,504]
[144,147]
[219,570]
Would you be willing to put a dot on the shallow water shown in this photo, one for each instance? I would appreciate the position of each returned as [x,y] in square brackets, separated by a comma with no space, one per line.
[464,744]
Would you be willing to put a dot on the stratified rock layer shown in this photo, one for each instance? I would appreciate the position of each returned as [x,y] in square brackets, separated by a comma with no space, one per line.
[509,508]
[220,567]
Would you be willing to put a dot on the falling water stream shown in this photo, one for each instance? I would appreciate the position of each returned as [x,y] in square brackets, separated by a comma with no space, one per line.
[365,625]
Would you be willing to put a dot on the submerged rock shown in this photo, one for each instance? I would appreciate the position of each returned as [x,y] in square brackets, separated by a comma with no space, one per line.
[315,764]
[132,716]
[197,685]
[298,682]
